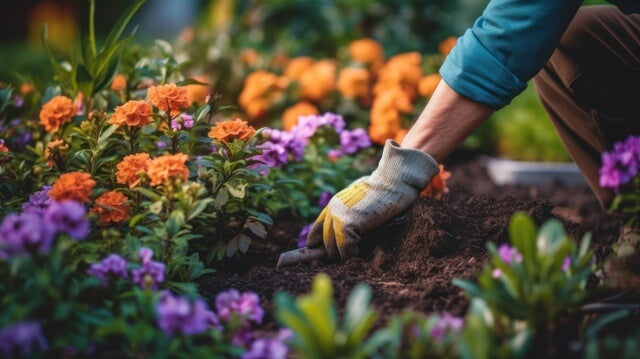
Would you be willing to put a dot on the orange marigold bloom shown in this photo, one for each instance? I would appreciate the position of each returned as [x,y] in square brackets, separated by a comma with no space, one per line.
[402,71]
[198,93]
[249,56]
[76,186]
[354,83]
[26,88]
[228,131]
[447,45]
[386,114]
[119,83]
[367,51]
[438,185]
[261,89]
[165,168]
[290,115]
[427,85]
[55,148]
[318,80]
[111,206]
[55,113]
[135,113]
[297,66]
[130,169]
[169,98]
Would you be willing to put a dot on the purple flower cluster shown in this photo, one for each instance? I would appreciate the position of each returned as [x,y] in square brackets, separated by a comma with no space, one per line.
[34,230]
[304,233]
[620,165]
[281,148]
[113,266]
[353,141]
[180,315]
[22,339]
[272,348]
[509,254]
[182,121]
[150,273]
[231,305]
[447,322]
[308,125]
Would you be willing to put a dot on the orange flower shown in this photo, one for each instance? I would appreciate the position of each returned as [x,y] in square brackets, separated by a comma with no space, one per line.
[354,83]
[249,57]
[165,168]
[54,151]
[135,113]
[427,85]
[111,206]
[290,115]
[26,88]
[279,61]
[261,89]
[400,135]
[119,83]
[297,66]
[318,80]
[168,98]
[401,71]
[131,168]
[386,114]
[367,51]
[76,186]
[55,113]
[447,45]
[198,93]
[438,185]
[3,149]
[228,131]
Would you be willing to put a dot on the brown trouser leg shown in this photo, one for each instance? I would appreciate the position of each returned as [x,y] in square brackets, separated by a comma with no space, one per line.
[591,87]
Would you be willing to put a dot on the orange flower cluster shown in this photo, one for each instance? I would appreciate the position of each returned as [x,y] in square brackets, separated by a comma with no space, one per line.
[76,186]
[386,115]
[355,83]
[261,89]
[318,80]
[427,85]
[55,113]
[447,45]
[111,206]
[438,185]
[249,56]
[135,113]
[55,148]
[198,93]
[119,83]
[169,98]
[367,51]
[168,167]
[228,131]
[297,66]
[131,169]
[291,114]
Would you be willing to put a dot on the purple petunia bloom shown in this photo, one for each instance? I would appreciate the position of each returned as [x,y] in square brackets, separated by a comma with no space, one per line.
[182,121]
[113,266]
[150,273]
[509,254]
[161,144]
[446,323]
[308,125]
[179,315]
[68,217]
[324,199]
[620,165]
[23,233]
[39,202]
[246,305]
[352,141]
[22,339]
[304,233]
[272,348]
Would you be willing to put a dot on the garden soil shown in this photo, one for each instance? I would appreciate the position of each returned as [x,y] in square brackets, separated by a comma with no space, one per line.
[410,262]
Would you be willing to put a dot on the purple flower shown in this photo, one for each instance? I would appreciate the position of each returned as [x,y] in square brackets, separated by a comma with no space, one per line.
[179,315]
[68,217]
[308,125]
[334,154]
[620,165]
[150,273]
[180,121]
[39,202]
[509,254]
[352,141]
[22,339]
[161,144]
[497,273]
[446,323]
[18,101]
[247,305]
[304,233]
[272,348]
[23,233]
[324,199]
[113,266]
[566,264]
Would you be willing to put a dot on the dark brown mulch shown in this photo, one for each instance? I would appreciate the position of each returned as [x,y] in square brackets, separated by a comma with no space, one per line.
[411,262]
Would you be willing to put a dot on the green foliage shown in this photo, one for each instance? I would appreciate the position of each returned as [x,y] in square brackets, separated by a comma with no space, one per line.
[600,345]
[318,331]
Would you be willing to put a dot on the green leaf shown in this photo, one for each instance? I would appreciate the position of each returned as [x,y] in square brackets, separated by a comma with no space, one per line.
[200,206]
[104,135]
[244,242]
[232,247]
[121,23]
[522,233]
[56,66]
[92,31]
[175,222]
[257,228]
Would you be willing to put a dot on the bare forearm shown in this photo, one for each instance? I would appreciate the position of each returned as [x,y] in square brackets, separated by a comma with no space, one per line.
[445,122]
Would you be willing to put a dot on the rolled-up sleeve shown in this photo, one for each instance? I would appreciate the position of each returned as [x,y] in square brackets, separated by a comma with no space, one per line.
[506,47]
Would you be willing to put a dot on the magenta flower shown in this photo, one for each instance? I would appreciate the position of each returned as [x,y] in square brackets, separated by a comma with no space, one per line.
[308,125]
[182,121]
[246,305]
[509,254]
[150,273]
[161,144]
[620,165]
[179,315]
[446,323]
[272,348]
[353,141]
[22,339]
[566,264]
[113,266]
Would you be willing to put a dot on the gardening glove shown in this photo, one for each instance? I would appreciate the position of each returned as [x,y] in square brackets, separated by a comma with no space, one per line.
[372,200]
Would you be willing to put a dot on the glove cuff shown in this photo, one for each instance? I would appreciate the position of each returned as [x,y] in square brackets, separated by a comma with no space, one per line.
[413,167]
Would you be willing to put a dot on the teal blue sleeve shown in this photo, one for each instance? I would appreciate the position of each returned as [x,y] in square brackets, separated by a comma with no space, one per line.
[506,47]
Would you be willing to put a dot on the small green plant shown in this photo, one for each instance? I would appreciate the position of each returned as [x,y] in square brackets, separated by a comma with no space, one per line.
[318,332]
[541,277]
